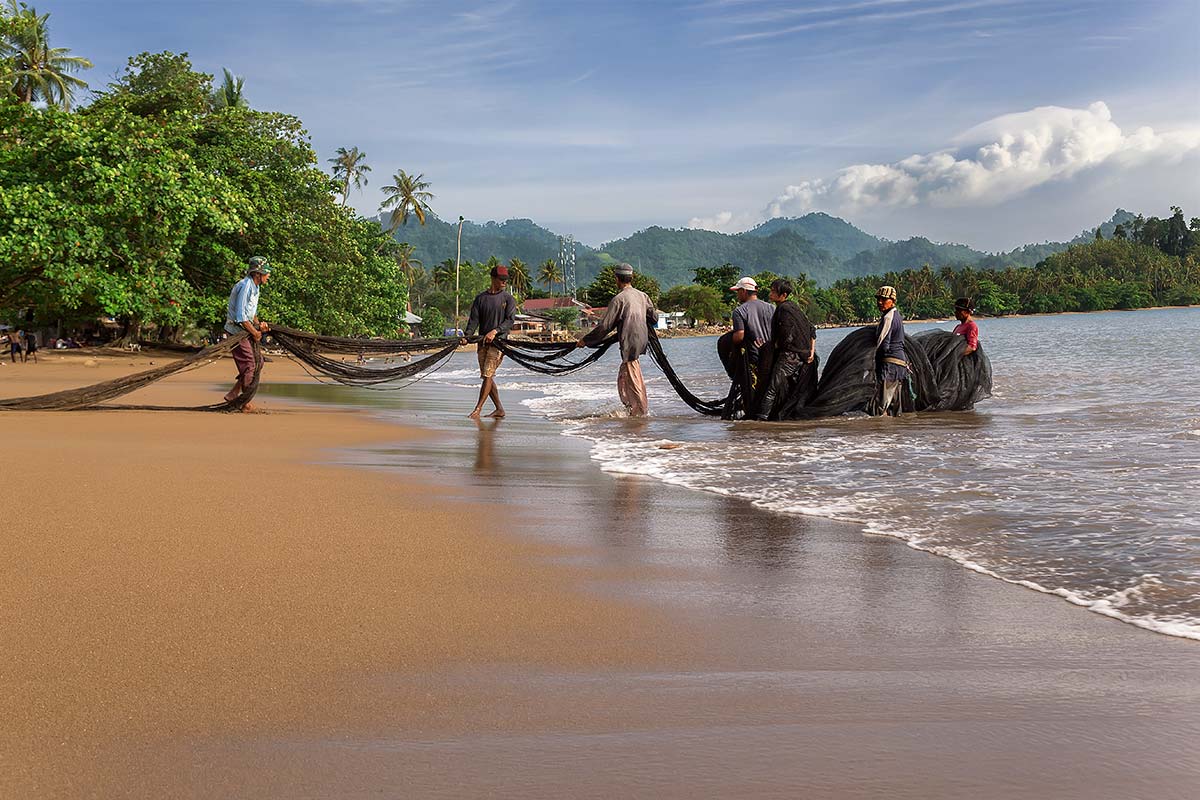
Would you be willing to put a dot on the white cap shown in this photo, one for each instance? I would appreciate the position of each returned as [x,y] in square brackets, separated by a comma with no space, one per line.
[746,283]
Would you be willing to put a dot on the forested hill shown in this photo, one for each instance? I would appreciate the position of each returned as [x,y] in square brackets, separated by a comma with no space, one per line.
[824,247]
[435,241]
[670,254]
[840,238]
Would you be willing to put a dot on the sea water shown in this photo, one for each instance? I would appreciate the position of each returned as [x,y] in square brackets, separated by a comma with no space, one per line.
[1079,477]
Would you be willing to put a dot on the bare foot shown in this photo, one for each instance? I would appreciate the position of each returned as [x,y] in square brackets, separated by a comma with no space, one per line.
[499,412]
[249,408]
[474,414]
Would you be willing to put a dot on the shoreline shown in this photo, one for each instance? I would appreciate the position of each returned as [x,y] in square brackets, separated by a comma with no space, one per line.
[657,677]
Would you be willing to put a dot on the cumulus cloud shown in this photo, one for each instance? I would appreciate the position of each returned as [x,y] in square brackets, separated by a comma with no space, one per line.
[987,165]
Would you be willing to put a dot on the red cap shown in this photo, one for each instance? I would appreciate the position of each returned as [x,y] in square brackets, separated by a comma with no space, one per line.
[500,271]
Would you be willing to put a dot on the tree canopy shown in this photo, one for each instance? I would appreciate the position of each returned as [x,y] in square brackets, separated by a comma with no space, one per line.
[146,205]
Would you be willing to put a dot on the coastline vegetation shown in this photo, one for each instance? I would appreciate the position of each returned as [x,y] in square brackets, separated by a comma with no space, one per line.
[144,204]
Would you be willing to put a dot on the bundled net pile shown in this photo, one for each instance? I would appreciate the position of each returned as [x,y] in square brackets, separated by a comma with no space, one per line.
[941,380]
[961,381]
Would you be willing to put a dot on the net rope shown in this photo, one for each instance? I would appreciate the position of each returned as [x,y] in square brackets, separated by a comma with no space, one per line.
[941,378]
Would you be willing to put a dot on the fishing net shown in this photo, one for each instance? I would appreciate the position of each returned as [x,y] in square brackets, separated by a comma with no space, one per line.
[551,358]
[714,407]
[962,381]
[311,350]
[941,378]
[92,396]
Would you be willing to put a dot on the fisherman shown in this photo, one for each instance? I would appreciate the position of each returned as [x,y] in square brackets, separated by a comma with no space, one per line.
[751,324]
[963,309]
[631,313]
[891,364]
[242,315]
[493,310]
[794,342]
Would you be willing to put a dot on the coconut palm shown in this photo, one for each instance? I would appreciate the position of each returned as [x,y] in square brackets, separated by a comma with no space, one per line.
[33,69]
[348,168]
[408,266]
[443,273]
[550,274]
[518,277]
[408,195]
[229,93]
[420,289]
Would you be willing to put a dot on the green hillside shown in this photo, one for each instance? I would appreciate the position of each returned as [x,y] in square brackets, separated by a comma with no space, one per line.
[435,241]
[670,254]
[840,238]
[824,247]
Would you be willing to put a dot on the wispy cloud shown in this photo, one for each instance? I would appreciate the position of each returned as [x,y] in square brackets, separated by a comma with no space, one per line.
[838,17]
[583,77]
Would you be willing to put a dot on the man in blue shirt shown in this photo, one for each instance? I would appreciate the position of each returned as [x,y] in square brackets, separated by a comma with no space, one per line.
[891,363]
[242,315]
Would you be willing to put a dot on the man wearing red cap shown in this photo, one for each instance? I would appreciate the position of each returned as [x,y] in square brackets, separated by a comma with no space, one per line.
[493,311]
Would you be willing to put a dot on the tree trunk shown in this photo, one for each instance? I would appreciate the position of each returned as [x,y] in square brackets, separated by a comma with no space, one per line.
[131,334]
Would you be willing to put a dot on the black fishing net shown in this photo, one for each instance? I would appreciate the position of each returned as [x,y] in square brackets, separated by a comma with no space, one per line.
[398,364]
[941,378]
[962,381]
[93,396]
[714,407]
[552,358]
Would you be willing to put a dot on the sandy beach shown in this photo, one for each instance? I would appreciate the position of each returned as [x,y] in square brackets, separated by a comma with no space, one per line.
[210,605]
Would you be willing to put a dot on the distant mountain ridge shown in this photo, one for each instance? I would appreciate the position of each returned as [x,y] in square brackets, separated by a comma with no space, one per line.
[824,247]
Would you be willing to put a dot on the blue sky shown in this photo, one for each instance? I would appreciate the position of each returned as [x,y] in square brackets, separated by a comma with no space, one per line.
[990,122]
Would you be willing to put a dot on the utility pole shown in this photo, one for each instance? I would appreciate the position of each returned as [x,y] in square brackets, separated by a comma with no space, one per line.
[457,261]
[566,260]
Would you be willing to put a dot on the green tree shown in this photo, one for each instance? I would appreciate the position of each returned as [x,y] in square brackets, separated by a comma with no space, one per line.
[604,288]
[408,195]
[698,303]
[550,274]
[160,85]
[719,278]
[433,322]
[145,206]
[444,274]
[32,69]
[992,299]
[568,318]
[349,167]
[518,277]
[402,252]
[229,93]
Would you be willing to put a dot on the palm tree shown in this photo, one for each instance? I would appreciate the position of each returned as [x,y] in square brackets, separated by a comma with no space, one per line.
[420,288]
[518,277]
[33,69]
[408,266]
[406,196]
[549,274]
[229,93]
[443,273]
[348,168]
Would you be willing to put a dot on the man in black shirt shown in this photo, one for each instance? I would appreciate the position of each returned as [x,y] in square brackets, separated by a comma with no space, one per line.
[492,313]
[794,339]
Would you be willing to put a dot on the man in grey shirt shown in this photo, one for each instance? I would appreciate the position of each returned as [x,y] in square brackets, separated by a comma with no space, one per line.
[751,327]
[493,313]
[631,313]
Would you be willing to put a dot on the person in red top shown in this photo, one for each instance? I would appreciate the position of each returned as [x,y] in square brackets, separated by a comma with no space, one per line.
[963,309]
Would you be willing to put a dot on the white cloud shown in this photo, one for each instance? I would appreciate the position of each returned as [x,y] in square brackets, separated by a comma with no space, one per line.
[989,164]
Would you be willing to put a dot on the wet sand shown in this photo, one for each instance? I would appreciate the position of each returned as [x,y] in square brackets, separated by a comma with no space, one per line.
[328,632]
